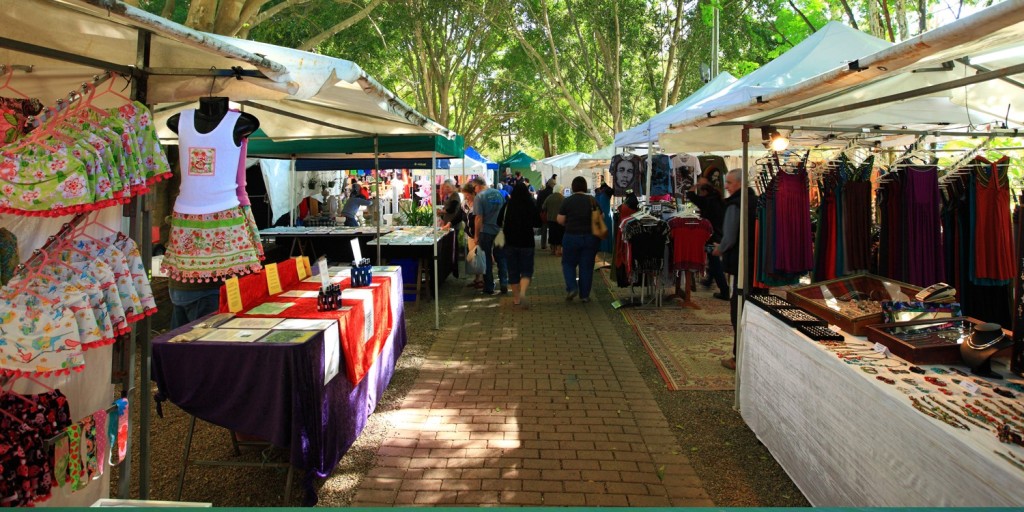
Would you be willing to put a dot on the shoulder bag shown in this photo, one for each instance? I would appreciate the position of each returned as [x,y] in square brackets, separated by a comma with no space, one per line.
[597,226]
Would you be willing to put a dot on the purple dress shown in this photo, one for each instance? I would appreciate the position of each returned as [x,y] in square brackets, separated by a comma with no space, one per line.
[923,226]
[794,251]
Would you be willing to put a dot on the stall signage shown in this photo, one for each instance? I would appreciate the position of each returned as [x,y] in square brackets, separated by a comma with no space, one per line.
[325,274]
[300,268]
[234,295]
[273,279]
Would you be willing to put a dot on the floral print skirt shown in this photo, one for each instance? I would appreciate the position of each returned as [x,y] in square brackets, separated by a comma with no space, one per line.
[211,247]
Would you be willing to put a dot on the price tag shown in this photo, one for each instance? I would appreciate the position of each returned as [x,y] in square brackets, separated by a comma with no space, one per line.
[273,279]
[300,268]
[357,252]
[234,295]
[305,265]
[325,275]
[881,349]
[969,386]
[616,304]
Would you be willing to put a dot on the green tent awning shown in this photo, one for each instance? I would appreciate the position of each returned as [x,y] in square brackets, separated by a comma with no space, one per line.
[389,146]
[519,161]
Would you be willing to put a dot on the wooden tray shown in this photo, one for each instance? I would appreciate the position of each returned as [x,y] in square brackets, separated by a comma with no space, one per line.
[931,349]
[869,285]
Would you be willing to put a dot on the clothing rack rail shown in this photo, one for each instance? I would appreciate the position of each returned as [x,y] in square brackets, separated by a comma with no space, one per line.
[50,441]
[62,104]
[967,157]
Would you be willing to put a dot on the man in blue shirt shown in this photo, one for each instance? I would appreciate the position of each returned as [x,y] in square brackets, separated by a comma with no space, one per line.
[486,207]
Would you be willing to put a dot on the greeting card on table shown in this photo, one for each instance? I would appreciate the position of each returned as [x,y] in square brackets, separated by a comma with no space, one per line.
[305,324]
[287,336]
[235,335]
[300,294]
[270,308]
[251,323]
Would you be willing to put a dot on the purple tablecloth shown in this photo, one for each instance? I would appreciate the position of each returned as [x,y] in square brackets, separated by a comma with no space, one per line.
[276,392]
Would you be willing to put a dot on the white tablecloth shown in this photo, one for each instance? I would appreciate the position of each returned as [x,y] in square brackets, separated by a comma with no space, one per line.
[847,439]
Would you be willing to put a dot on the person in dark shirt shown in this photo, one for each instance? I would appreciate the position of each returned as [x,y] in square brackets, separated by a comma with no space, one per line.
[712,207]
[351,208]
[548,189]
[521,217]
[579,245]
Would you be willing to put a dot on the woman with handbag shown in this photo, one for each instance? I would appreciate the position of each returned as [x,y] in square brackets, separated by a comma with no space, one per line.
[520,218]
[472,265]
[584,229]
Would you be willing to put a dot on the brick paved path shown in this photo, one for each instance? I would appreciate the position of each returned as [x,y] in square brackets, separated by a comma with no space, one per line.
[541,406]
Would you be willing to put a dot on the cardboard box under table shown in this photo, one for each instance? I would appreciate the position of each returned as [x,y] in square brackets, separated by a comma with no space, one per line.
[312,398]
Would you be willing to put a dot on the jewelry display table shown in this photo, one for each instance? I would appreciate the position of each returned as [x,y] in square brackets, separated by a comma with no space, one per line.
[848,438]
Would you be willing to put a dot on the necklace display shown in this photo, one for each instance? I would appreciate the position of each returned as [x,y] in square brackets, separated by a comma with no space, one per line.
[937,413]
[954,411]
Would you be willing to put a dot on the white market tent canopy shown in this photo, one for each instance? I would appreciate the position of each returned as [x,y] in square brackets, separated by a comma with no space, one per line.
[295,94]
[648,131]
[947,81]
[558,164]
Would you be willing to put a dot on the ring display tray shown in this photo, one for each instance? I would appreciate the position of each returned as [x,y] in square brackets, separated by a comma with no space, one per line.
[852,303]
[925,341]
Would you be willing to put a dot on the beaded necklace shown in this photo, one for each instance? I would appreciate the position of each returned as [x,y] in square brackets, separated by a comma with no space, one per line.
[954,411]
[938,414]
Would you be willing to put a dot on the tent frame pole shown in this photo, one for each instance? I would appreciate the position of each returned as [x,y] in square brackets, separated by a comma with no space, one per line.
[740,291]
[433,235]
[376,190]
[144,328]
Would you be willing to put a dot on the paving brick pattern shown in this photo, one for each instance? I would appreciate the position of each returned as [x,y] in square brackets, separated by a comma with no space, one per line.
[530,407]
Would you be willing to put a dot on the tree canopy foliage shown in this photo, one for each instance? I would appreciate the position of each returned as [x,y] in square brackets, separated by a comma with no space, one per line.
[548,76]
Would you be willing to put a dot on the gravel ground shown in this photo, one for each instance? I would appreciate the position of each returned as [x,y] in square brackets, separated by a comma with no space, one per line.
[735,468]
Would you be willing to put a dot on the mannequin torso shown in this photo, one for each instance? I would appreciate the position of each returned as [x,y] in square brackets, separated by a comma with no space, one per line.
[209,114]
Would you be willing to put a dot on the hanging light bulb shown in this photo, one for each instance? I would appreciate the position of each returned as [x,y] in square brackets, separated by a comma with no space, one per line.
[779,142]
[773,140]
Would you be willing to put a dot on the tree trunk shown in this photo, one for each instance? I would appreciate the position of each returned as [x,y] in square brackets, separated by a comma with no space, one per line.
[875,20]
[168,9]
[229,12]
[546,144]
[850,15]
[670,61]
[888,19]
[922,10]
[201,15]
[901,20]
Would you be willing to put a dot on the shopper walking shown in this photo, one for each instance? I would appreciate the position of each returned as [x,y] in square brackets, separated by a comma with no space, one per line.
[521,216]
[729,248]
[551,205]
[579,244]
[549,188]
[469,192]
[712,207]
[487,205]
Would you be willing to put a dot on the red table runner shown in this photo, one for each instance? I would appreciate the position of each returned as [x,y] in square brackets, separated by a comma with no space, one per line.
[360,353]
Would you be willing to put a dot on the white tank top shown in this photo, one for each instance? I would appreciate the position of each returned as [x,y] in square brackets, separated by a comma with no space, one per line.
[209,166]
